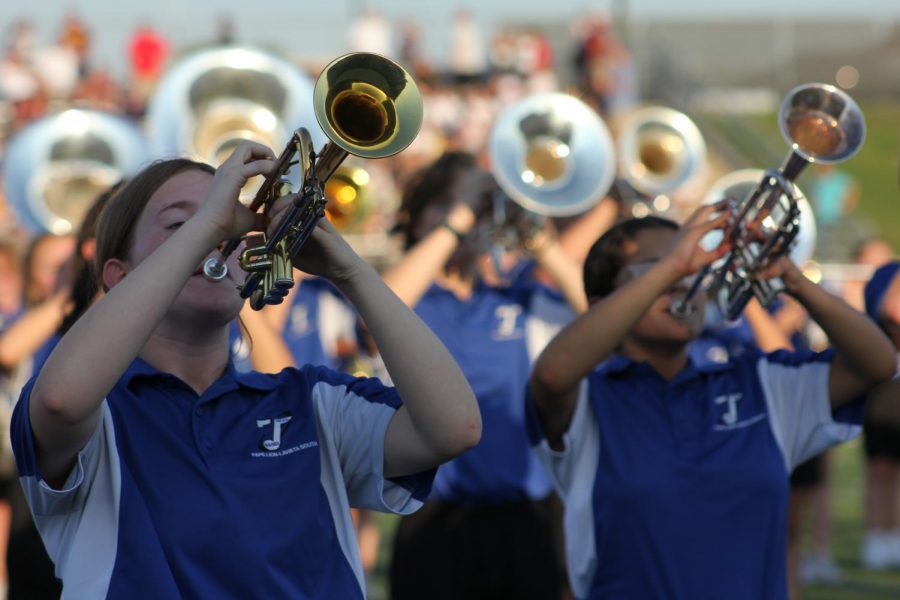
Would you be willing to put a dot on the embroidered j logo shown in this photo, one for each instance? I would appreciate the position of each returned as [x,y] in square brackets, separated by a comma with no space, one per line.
[729,417]
[507,315]
[277,424]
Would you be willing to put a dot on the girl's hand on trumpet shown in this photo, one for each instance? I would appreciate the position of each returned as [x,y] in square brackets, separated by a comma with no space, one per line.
[325,253]
[222,209]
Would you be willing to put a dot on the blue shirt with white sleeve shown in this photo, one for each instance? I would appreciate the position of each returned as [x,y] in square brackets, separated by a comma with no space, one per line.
[494,336]
[678,489]
[241,492]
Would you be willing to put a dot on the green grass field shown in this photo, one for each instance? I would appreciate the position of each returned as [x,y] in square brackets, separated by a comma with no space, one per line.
[848,491]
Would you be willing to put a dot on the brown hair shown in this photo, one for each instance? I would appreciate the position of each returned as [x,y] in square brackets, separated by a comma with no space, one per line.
[86,283]
[115,231]
[33,295]
[429,198]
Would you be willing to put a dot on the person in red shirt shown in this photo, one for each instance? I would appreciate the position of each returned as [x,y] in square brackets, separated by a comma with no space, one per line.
[147,51]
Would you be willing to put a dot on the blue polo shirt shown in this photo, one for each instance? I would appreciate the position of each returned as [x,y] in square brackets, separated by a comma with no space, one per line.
[722,339]
[494,336]
[242,492]
[679,489]
[319,319]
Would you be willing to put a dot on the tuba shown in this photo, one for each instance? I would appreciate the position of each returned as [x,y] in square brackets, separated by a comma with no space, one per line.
[660,149]
[822,124]
[368,106]
[552,155]
[213,99]
[56,167]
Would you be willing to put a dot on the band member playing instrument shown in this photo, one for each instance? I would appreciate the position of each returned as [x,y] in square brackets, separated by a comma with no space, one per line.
[881,430]
[153,467]
[674,474]
[486,530]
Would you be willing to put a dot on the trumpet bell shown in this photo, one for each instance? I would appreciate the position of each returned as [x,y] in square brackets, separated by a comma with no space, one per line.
[822,123]
[56,167]
[659,149]
[552,154]
[368,105]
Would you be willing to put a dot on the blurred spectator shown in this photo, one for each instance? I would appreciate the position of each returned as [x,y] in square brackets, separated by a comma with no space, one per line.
[833,194]
[225,30]
[411,54]
[370,32]
[76,37]
[869,255]
[10,306]
[100,91]
[468,59]
[147,52]
[57,67]
[19,84]
[45,288]
[881,427]
[10,283]
[503,52]
[604,67]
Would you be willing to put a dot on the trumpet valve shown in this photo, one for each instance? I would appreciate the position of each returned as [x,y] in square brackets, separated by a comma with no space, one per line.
[282,269]
[254,257]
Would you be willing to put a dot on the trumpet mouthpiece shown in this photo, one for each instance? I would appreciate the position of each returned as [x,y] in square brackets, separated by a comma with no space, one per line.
[215,269]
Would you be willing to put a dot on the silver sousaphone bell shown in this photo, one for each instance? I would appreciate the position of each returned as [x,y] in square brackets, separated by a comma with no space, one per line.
[552,154]
[55,167]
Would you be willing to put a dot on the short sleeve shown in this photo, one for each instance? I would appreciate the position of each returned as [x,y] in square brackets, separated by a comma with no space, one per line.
[78,522]
[354,414]
[795,387]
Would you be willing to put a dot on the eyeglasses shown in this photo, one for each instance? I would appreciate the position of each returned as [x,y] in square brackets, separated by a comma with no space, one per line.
[639,269]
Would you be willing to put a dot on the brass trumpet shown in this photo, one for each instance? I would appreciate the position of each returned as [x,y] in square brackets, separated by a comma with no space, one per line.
[368,106]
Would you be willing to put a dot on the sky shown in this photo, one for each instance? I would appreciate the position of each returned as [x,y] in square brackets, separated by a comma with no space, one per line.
[319,28]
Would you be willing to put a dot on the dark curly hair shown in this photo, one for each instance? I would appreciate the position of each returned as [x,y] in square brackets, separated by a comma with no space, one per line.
[427,201]
[428,196]
[86,282]
[607,256]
